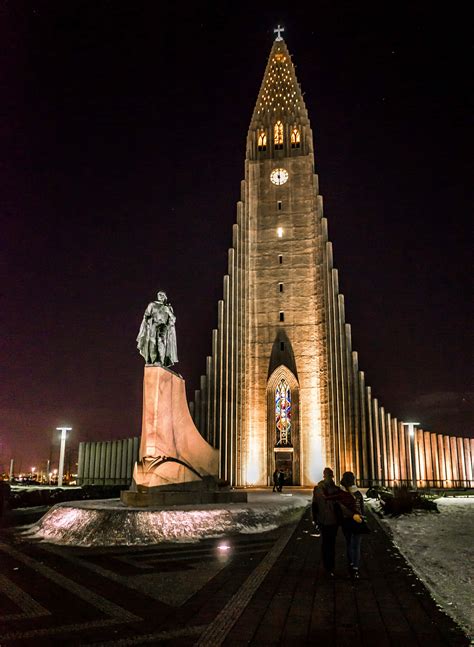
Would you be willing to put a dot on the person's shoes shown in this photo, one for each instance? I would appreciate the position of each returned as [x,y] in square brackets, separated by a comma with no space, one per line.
[355,574]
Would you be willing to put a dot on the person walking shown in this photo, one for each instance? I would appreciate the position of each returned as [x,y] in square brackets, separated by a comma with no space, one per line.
[275,480]
[326,518]
[281,480]
[353,526]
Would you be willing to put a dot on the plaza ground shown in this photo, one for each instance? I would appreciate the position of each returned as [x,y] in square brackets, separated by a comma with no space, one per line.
[257,589]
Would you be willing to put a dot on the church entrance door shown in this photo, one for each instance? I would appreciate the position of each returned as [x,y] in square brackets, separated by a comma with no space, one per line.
[284,462]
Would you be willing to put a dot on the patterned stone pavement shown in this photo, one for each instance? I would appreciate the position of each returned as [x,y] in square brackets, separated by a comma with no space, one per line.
[265,589]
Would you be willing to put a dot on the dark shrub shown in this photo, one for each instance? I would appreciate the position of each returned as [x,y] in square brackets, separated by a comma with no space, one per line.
[404,501]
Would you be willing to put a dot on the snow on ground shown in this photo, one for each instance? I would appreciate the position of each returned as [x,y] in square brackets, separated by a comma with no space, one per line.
[110,523]
[439,548]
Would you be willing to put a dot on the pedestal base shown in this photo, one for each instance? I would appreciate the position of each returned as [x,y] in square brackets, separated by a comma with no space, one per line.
[154,498]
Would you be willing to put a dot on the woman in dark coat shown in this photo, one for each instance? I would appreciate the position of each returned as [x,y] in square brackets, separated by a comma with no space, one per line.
[351,503]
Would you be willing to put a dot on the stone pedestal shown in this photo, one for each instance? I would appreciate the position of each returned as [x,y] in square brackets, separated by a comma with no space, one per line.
[177,466]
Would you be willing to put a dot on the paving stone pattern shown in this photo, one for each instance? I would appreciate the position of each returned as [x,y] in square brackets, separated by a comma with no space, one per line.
[266,589]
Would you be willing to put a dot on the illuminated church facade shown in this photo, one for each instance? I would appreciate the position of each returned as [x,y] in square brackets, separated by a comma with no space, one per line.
[282,386]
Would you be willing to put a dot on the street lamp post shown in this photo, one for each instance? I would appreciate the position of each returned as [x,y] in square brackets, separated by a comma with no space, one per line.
[411,434]
[62,452]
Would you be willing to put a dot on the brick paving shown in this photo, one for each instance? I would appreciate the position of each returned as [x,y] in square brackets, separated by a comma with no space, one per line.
[266,589]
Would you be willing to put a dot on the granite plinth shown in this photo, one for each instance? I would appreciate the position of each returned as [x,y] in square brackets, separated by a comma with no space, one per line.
[172,451]
[155,498]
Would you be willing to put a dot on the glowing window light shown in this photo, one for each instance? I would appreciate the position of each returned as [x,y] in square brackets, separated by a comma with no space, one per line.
[278,135]
[280,232]
[262,141]
[295,137]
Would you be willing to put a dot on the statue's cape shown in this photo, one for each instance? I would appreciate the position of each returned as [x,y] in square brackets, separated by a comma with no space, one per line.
[143,339]
[171,345]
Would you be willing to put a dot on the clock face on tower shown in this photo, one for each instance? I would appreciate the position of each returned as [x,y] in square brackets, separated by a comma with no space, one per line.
[279,176]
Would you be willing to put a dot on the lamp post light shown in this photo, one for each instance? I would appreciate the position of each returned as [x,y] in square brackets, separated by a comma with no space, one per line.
[411,434]
[62,452]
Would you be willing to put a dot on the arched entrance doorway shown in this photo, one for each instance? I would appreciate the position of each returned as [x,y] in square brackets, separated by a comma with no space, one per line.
[283,425]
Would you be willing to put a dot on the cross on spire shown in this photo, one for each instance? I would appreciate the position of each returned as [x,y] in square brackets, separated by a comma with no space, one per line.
[278,31]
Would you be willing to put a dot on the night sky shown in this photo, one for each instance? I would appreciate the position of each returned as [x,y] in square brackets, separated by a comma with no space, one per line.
[123,128]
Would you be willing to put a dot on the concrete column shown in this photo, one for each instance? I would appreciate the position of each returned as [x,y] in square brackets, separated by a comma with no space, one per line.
[130,461]
[420,454]
[428,458]
[435,459]
[383,437]
[103,449]
[462,468]
[370,430]
[225,383]
[402,453]
[378,441]
[123,466]
[339,409]
[388,431]
[108,462]
[92,461]
[220,391]
[97,464]
[454,460]
[357,408]
[447,461]
[332,450]
[442,461]
[215,387]
[118,462]
[350,388]
[209,381]
[342,382]
[87,461]
[471,446]
[80,466]
[396,451]
[232,365]
[203,412]
[364,462]
[468,461]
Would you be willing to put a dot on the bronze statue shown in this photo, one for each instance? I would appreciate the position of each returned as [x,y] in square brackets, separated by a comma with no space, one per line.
[156,339]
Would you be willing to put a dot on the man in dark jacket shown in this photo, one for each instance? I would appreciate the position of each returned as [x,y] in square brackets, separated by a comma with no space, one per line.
[326,517]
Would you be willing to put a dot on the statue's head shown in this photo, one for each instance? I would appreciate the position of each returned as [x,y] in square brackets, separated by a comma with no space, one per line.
[161,297]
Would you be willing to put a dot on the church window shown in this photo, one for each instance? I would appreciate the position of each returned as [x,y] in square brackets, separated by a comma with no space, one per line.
[262,140]
[279,205]
[282,315]
[280,259]
[278,136]
[280,287]
[295,138]
[283,414]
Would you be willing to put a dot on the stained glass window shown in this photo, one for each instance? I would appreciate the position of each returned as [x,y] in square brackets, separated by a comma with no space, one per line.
[283,414]
[295,138]
[278,135]
[262,140]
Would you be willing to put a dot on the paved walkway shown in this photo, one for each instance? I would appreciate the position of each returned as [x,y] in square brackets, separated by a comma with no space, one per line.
[265,589]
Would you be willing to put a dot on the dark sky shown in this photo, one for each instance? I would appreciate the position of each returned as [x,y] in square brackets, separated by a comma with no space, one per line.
[123,129]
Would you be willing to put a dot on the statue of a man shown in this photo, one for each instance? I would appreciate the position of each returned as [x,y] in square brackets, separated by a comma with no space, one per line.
[156,340]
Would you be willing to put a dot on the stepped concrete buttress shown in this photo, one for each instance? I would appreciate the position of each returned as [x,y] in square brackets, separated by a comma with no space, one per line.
[176,465]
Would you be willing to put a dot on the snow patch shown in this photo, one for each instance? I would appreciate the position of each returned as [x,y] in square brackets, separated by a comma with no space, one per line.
[439,549]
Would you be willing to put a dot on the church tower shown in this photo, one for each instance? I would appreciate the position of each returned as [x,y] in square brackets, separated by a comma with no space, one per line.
[282,387]
[264,400]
